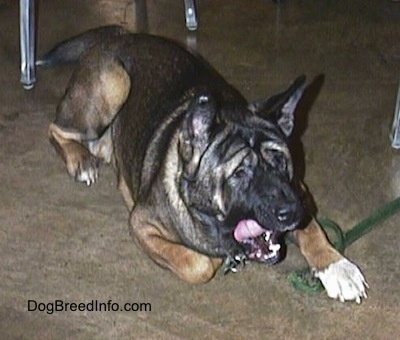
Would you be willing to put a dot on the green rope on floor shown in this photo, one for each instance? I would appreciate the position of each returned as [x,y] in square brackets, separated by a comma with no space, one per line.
[304,280]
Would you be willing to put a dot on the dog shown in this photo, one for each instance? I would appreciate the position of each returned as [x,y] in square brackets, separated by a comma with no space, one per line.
[206,175]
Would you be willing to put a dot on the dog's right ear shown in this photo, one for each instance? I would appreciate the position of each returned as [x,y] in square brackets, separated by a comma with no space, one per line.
[280,108]
[196,130]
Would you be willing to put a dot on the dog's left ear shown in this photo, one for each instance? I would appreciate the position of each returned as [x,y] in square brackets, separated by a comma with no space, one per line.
[280,108]
[197,125]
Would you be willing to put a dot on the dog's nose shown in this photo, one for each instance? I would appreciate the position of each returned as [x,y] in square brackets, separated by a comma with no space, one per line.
[284,214]
[289,216]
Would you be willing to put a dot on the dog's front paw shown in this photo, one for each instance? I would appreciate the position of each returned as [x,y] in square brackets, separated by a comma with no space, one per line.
[343,280]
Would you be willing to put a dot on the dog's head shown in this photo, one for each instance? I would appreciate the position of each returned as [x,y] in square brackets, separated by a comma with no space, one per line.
[237,172]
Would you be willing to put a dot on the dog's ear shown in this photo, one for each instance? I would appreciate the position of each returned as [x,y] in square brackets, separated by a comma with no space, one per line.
[196,129]
[280,108]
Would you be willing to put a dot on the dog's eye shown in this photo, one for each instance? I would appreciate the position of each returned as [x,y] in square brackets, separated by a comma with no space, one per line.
[244,171]
[239,173]
[278,160]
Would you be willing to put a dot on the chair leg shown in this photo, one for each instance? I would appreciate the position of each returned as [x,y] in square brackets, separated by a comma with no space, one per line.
[27,42]
[190,14]
[395,133]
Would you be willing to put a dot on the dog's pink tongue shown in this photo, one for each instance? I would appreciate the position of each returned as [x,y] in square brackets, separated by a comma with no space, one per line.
[247,229]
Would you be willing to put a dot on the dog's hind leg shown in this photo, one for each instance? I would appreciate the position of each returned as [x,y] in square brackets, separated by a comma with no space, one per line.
[81,132]
[186,263]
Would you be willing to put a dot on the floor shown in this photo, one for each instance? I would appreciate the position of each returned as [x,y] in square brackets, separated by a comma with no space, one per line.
[60,240]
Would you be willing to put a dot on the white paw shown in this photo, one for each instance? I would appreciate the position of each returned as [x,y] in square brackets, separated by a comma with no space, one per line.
[344,281]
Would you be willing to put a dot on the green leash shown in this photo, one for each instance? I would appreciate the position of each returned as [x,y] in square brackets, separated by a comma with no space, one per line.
[304,280]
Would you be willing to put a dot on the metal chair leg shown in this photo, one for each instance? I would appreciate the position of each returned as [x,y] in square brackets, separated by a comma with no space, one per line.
[27,42]
[191,16]
[395,133]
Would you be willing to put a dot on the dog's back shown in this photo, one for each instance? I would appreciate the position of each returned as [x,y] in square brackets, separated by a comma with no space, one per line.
[70,50]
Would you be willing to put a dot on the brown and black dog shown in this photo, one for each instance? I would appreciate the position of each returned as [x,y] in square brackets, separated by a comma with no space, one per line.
[206,176]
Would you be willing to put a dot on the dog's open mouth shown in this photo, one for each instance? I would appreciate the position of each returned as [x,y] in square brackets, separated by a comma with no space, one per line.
[261,244]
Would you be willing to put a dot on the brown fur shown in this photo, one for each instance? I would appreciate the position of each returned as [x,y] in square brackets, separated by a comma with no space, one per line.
[315,247]
[165,250]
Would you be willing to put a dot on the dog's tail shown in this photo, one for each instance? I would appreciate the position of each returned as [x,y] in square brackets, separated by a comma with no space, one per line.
[70,50]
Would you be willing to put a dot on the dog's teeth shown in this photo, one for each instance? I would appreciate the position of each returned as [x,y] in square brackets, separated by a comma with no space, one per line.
[274,247]
[267,236]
